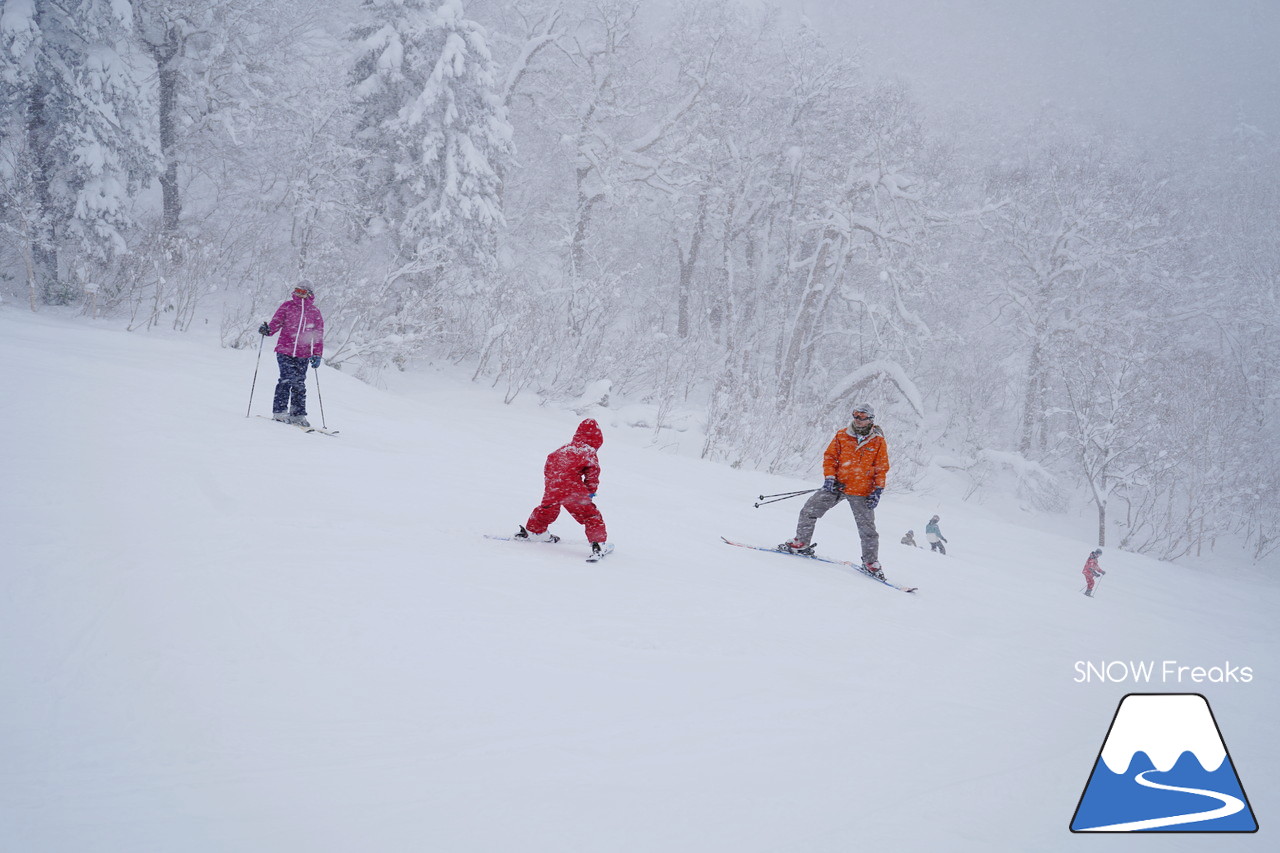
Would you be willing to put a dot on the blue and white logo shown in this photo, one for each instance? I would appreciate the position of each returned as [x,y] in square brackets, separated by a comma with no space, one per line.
[1164,768]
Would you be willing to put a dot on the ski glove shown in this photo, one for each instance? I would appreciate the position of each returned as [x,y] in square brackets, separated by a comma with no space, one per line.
[264,329]
[829,484]
[873,498]
[315,361]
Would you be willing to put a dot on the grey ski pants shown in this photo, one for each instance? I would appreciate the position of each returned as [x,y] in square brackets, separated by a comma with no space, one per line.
[865,517]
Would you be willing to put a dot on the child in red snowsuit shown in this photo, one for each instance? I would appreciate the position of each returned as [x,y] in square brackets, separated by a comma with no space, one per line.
[1091,570]
[572,476]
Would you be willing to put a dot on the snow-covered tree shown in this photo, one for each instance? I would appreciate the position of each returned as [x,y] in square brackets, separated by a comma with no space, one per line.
[1073,237]
[431,118]
[213,65]
[83,111]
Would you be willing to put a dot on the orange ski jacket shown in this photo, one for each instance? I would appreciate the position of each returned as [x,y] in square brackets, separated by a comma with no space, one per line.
[859,463]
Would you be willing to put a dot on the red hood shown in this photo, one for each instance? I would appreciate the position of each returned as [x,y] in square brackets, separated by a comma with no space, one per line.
[589,433]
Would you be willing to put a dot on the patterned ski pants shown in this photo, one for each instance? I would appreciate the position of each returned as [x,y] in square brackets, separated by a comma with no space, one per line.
[291,390]
[865,517]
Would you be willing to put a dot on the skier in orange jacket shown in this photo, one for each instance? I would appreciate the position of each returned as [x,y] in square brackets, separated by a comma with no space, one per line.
[854,468]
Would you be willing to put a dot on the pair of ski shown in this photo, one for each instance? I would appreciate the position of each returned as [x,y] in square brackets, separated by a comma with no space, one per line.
[856,566]
[605,548]
[320,430]
[608,549]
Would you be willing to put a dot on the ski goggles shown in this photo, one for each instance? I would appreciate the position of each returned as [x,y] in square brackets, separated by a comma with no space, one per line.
[862,416]
[303,293]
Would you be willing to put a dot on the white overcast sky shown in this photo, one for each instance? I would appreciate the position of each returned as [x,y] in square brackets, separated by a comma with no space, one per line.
[1185,66]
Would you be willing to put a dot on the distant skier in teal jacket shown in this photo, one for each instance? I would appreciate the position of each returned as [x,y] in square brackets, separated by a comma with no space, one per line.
[934,534]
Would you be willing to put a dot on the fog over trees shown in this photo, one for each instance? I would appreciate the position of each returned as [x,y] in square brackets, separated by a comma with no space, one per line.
[707,206]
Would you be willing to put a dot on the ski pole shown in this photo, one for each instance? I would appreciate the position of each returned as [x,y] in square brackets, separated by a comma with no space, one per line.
[320,398]
[786,494]
[261,339]
[761,503]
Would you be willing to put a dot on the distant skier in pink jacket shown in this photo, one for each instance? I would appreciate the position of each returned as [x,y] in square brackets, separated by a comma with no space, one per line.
[1092,570]
[301,329]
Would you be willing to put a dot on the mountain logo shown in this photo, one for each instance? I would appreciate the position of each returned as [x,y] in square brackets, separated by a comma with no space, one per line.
[1164,767]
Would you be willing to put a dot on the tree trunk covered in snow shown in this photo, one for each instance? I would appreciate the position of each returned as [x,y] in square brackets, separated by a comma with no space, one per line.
[686,261]
[817,289]
[1102,512]
[43,244]
[1033,401]
[587,199]
[171,200]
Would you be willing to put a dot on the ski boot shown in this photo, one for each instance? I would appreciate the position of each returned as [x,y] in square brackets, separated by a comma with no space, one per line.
[873,569]
[795,546]
[525,536]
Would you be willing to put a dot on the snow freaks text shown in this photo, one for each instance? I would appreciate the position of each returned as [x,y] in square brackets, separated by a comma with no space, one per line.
[1163,672]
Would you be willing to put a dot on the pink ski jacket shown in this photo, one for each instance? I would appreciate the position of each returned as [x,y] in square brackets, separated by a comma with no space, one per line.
[300,326]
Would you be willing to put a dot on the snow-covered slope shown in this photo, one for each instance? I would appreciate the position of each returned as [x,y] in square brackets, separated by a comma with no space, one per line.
[221,634]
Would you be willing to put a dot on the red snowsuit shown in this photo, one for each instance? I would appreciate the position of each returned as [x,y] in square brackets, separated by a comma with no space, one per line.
[572,476]
[1091,571]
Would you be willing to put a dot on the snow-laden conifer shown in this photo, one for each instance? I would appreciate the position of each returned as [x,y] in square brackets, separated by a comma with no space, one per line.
[432,122]
[79,114]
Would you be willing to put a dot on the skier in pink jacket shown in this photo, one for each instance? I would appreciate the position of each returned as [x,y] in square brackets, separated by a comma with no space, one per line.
[301,329]
[1092,570]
